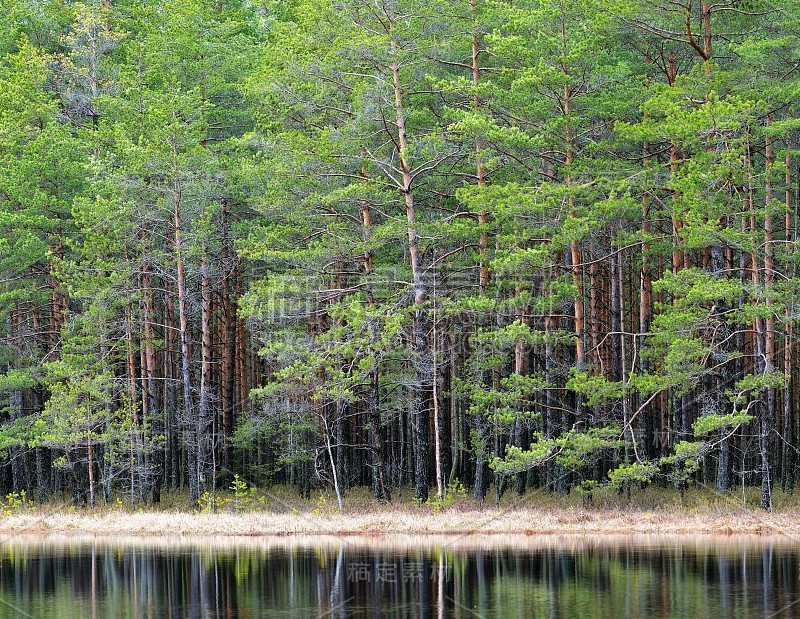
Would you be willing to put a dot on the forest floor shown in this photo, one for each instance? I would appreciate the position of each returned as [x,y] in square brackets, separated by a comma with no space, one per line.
[280,512]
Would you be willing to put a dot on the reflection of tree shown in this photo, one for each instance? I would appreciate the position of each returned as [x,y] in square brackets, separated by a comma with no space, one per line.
[583,579]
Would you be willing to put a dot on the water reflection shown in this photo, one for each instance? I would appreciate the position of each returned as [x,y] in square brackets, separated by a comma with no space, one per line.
[361,577]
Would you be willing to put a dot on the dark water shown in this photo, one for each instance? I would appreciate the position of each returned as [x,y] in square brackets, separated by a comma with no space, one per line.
[465,578]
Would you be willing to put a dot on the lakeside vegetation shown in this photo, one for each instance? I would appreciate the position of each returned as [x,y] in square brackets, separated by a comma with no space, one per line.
[280,512]
[510,249]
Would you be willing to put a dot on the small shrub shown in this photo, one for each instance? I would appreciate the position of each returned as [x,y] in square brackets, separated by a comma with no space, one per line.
[454,492]
[323,506]
[16,501]
[209,503]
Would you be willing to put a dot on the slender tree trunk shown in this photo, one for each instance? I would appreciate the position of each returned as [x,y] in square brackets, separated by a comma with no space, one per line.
[520,369]
[172,450]
[19,478]
[575,253]
[135,447]
[788,430]
[90,458]
[623,362]
[481,472]
[483,215]
[191,439]
[616,316]
[342,429]
[455,438]
[58,300]
[769,335]
[419,411]
[241,343]
[707,34]
[228,335]
[43,455]
[435,397]
[645,314]
[154,418]
[204,421]
[336,485]
[595,311]
[550,364]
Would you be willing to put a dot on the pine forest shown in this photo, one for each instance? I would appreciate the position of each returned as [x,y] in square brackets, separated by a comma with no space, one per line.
[402,245]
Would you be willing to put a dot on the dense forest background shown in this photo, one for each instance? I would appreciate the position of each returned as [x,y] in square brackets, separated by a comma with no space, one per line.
[335,243]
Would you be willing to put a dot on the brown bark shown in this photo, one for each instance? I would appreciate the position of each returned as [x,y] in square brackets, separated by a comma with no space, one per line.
[240,344]
[616,316]
[594,309]
[769,257]
[646,312]
[130,367]
[154,412]
[575,252]
[227,336]
[707,51]
[58,300]
[769,334]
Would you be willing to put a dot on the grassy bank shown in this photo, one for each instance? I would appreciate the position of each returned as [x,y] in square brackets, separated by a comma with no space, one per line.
[281,512]
[486,521]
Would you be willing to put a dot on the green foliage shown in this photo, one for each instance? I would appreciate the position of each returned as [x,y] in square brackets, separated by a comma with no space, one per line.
[596,389]
[750,386]
[454,493]
[573,450]
[323,507]
[209,503]
[707,424]
[16,502]
[636,472]
[240,497]
[684,462]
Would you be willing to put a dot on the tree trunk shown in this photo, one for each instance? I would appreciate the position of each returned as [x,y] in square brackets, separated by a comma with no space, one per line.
[241,343]
[171,447]
[228,335]
[189,422]
[483,215]
[769,335]
[645,315]
[419,411]
[788,430]
[154,416]
[435,398]
[204,420]
[90,458]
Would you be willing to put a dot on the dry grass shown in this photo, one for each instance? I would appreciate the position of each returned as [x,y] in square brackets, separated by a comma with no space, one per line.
[281,513]
[397,521]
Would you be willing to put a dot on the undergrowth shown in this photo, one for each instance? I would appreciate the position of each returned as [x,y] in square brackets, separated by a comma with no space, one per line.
[242,497]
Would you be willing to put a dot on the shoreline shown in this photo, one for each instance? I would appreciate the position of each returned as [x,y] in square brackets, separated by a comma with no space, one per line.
[475,522]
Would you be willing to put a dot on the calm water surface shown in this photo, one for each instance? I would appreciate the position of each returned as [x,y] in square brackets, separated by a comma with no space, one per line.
[507,577]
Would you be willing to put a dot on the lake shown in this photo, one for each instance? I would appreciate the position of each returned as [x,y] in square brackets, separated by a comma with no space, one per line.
[458,577]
